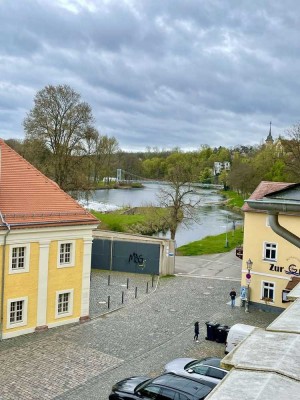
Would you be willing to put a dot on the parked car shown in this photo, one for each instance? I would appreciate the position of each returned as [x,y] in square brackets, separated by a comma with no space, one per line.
[164,387]
[206,368]
[236,334]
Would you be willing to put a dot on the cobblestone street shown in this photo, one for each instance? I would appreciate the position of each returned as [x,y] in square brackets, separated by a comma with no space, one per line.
[83,361]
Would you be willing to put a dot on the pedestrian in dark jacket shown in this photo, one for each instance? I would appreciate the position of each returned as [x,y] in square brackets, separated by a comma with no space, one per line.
[196,331]
[232,295]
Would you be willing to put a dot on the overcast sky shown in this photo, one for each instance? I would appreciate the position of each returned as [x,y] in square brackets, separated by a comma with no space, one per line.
[164,73]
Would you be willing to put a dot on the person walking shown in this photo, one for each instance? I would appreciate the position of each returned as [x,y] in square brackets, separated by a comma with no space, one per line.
[232,295]
[196,331]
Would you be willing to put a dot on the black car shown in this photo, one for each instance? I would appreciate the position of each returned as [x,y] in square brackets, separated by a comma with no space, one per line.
[165,387]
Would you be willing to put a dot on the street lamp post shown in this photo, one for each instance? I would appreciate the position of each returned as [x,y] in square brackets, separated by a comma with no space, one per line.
[226,238]
[248,281]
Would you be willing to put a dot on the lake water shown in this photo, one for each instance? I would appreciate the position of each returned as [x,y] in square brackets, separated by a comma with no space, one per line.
[213,219]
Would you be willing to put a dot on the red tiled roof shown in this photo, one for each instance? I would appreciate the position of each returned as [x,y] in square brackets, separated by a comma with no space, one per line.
[264,188]
[29,197]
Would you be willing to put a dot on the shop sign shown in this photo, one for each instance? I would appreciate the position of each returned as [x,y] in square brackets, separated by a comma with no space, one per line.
[291,269]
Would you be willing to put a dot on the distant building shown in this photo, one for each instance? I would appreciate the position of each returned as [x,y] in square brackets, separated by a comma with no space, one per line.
[270,139]
[220,166]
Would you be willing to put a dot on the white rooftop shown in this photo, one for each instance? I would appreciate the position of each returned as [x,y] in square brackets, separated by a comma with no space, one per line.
[267,351]
[295,293]
[289,320]
[255,385]
[265,365]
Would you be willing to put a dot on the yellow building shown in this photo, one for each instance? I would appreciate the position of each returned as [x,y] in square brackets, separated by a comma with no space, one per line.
[45,250]
[276,261]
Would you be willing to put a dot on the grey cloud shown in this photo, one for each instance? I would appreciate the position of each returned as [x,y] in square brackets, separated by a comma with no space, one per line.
[171,72]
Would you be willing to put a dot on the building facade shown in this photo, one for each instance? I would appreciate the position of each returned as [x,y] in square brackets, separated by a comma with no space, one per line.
[221,166]
[45,251]
[276,261]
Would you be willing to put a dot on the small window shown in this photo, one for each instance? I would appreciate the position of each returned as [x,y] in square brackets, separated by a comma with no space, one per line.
[167,394]
[150,391]
[216,373]
[268,291]
[180,396]
[64,303]
[19,259]
[17,312]
[270,251]
[200,369]
[66,254]
[284,296]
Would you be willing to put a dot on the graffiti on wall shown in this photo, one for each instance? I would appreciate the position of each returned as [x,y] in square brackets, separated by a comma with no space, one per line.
[137,259]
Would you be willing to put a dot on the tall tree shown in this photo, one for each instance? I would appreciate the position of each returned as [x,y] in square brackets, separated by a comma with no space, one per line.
[106,149]
[178,194]
[61,120]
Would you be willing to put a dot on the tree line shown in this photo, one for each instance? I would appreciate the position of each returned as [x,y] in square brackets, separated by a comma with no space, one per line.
[61,140]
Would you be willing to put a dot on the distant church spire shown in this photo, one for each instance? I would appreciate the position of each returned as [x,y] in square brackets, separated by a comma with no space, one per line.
[269,139]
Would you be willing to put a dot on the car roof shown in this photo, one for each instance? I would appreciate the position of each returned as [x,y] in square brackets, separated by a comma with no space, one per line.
[184,384]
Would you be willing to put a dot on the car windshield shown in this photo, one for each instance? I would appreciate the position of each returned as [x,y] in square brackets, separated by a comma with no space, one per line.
[142,385]
[206,361]
[191,364]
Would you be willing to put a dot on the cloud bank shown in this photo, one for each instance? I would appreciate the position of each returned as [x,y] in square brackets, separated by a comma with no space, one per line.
[168,73]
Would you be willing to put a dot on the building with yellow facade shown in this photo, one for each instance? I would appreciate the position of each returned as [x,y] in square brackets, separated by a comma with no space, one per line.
[45,250]
[275,260]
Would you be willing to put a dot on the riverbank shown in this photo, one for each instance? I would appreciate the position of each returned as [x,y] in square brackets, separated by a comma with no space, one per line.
[233,201]
[222,243]
[136,220]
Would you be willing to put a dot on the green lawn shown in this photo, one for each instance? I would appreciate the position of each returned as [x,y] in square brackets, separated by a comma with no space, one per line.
[213,244]
[234,199]
[118,222]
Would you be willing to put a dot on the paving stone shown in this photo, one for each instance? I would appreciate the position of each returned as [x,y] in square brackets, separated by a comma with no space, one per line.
[84,361]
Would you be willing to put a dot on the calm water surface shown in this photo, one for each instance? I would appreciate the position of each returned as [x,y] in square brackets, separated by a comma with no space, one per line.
[213,219]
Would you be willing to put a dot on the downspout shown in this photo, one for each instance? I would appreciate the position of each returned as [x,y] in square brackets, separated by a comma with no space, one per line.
[3,273]
[281,231]
[273,207]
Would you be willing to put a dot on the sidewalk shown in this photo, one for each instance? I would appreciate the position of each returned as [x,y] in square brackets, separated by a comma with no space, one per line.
[109,290]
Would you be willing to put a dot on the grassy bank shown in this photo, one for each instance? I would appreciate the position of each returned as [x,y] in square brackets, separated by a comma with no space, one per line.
[212,244]
[140,220]
[234,200]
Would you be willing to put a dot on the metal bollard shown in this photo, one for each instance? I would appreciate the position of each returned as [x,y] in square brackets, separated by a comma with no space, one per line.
[108,280]
[122,297]
[147,287]
[135,293]
[108,301]
[127,283]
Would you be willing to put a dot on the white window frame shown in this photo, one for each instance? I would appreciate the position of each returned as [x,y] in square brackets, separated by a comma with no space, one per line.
[10,324]
[264,285]
[70,308]
[266,244]
[26,258]
[71,263]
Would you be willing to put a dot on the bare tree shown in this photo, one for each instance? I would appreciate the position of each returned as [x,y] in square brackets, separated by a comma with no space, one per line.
[178,195]
[61,120]
[106,149]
